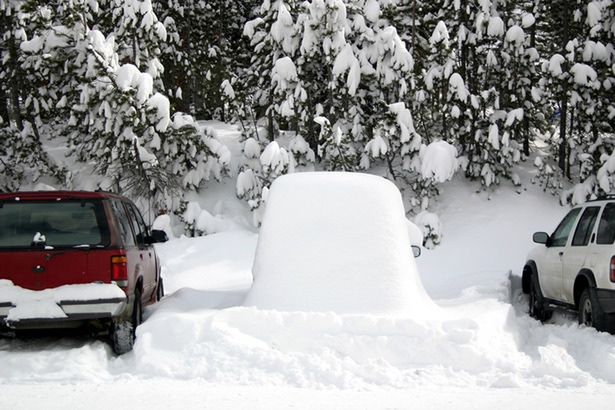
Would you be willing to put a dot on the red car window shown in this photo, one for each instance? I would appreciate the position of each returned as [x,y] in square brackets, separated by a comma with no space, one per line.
[53,223]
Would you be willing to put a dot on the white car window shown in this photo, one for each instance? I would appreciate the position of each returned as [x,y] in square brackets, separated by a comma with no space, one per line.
[606,228]
[585,226]
[560,236]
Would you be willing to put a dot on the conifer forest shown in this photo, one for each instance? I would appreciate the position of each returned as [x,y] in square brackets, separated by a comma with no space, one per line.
[414,90]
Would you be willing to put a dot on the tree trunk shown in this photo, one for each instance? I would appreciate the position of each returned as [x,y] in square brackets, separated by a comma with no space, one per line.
[566,11]
[16,106]
[413,45]
[526,135]
[270,126]
[14,92]
[562,157]
[526,119]
[570,129]
[135,54]
[198,105]
[4,108]
[463,71]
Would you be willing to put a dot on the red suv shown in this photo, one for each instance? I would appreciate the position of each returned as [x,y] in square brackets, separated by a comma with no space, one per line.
[69,259]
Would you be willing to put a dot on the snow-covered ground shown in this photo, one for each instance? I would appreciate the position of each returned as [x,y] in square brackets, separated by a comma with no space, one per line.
[200,348]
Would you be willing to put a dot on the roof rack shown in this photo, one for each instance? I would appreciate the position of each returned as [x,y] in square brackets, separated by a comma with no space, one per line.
[605,196]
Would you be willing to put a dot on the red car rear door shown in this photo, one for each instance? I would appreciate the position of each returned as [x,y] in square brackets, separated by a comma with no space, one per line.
[47,243]
[37,270]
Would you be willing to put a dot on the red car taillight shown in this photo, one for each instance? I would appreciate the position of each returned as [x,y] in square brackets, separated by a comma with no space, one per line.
[612,269]
[119,270]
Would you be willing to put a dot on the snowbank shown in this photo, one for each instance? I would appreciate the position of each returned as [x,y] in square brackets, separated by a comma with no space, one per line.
[336,242]
[217,261]
[481,344]
[486,235]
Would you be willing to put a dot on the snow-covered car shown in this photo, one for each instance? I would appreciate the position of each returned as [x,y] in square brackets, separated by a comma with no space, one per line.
[574,267]
[70,259]
[339,242]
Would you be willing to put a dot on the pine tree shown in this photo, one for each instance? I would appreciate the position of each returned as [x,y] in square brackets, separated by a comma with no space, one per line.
[205,47]
[579,80]
[126,126]
[336,148]
[23,98]
[479,112]
[434,115]
[324,57]
[258,171]
[113,113]
[138,34]
[560,28]
[272,36]
[338,78]
[591,103]
[11,76]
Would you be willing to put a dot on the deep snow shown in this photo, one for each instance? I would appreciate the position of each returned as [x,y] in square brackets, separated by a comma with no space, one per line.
[336,242]
[199,348]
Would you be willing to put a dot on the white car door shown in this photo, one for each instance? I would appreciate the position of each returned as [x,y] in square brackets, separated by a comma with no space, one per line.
[550,267]
[602,250]
[577,253]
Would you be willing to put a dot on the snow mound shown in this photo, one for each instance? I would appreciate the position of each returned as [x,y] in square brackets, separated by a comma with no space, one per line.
[336,242]
[213,262]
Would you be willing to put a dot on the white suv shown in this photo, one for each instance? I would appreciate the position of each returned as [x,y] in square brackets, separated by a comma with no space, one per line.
[575,268]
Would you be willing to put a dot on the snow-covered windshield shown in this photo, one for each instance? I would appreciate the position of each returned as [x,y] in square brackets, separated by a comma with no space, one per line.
[53,224]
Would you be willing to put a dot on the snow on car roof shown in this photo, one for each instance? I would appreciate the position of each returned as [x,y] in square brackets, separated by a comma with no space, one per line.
[334,241]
